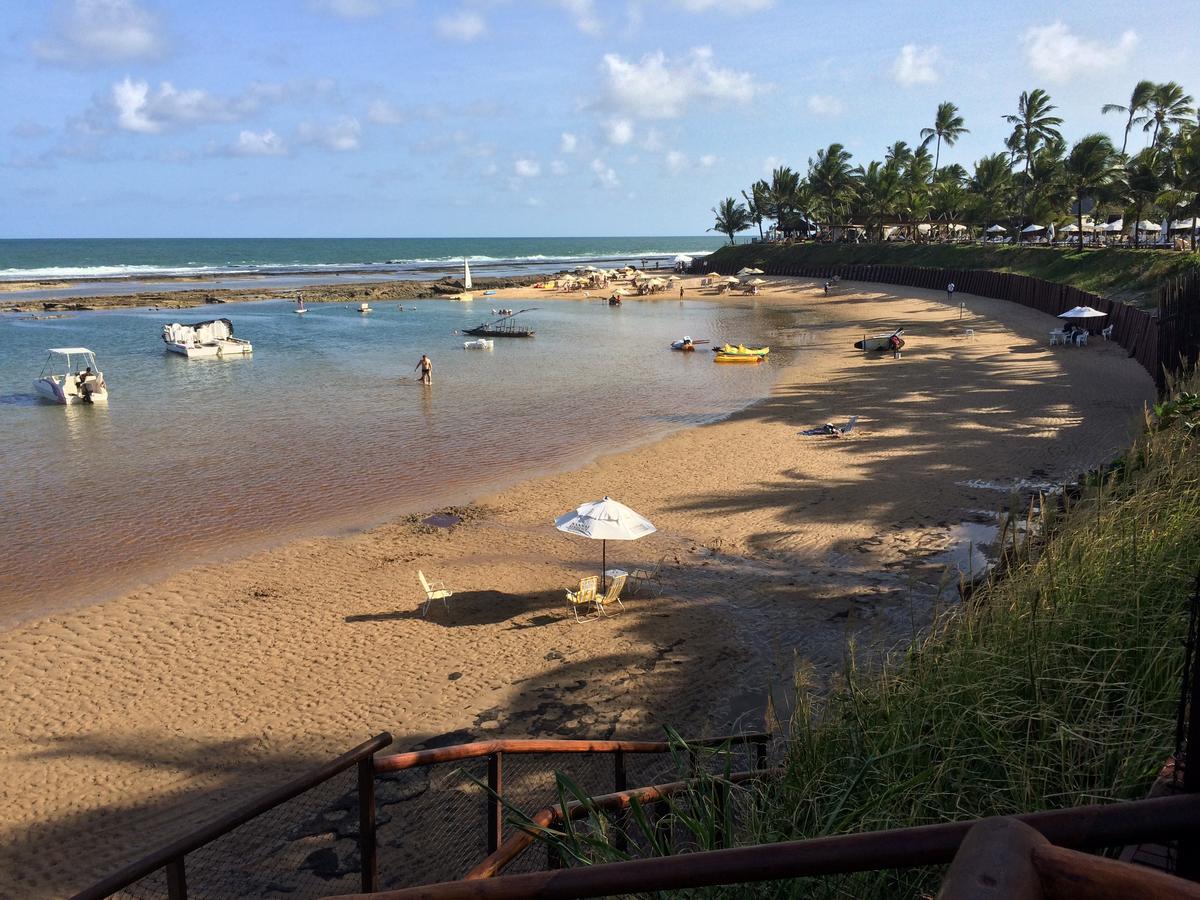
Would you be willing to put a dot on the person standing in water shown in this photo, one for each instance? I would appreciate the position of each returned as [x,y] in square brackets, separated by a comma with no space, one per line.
[426,367]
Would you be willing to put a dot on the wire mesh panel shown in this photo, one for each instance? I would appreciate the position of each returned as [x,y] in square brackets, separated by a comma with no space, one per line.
[305,847]
[431,822]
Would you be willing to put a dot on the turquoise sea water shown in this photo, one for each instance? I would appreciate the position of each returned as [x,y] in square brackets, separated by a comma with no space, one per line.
[323,427]
[152,257]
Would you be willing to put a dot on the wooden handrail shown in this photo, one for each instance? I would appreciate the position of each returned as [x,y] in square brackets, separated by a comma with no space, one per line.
[549,816]
[1086,827]
[231,820]
[412,759]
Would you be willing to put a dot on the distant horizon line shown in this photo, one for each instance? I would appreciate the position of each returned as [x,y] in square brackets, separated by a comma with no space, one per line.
[531,237]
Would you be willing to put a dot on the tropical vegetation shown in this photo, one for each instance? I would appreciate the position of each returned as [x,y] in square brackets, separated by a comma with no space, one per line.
[1037,178]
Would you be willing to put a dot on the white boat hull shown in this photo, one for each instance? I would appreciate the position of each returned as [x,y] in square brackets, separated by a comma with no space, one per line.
[478,344]
[221,349]
[52,390]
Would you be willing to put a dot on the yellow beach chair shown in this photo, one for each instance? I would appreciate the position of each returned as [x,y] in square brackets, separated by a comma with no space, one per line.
[586,595]
[434,591]
[613,595]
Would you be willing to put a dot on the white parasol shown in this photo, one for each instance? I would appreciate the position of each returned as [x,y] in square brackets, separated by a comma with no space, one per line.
[605,520]
[1082,312]
[996,229]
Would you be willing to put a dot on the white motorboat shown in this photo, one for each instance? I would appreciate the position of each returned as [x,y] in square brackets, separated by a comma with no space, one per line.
[205,339]
[70,375]
[365,308]
[478,344]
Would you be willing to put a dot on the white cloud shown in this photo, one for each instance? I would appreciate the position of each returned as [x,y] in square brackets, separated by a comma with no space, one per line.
[349,9]
[824,106]
[490,169]
[527,168]
[558,167]
[102,31]
[620,131]
[708,160]
[676,162]
[659,87]
[533,201]
[568,143]
[915,65]
[384,112]
[340,135]
[733,6]
[653,142]
[606,177]
[771,163]
[584,14]
[144,110]
[462,26]
[265,143]
[1058,55]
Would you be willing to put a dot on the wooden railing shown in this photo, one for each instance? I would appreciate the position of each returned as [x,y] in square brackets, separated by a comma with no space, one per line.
[1081,828]
[496,750]
[172,856]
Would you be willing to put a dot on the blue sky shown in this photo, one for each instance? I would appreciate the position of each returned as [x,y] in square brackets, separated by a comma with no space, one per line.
[137,118]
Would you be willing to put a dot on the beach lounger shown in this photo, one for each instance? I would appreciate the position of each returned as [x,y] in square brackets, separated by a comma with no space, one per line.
[831,430]
[644,578]
[613,595]
[433,591]
[585,596]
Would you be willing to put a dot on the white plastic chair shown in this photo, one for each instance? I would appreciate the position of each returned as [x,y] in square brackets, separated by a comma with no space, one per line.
[1081,339]
[433,591]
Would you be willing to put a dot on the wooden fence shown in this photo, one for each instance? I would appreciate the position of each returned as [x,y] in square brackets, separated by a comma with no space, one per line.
[1163,341]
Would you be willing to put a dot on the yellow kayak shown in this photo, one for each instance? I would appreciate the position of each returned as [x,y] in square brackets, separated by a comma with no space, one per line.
[738,358]
[742,350]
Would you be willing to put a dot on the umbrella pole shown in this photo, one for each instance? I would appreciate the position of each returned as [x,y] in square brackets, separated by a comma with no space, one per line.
[603,564]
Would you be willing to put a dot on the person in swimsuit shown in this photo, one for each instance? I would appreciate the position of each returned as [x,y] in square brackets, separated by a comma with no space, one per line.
[426,367]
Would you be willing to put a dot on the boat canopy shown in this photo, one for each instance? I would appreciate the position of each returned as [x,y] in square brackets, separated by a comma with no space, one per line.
[68,351]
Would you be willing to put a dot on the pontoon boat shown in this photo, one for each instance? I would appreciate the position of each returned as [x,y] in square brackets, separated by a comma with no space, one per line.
[212,338]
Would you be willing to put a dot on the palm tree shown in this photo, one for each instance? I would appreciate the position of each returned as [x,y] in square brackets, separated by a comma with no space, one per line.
[947,126]
[991,186]
[1091,170]
[1168,105]
[758,204]
[1187,176]
[1138,101]
[899,153]
[732,217]
[880,193]
[832,180]
[1033,124]
[1144,182]
[783,194]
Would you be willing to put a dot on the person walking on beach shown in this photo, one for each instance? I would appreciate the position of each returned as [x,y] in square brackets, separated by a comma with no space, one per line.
[950,292]
[681,293]
[426,367]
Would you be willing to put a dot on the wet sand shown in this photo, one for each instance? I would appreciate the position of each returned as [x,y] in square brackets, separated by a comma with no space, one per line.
[122,722]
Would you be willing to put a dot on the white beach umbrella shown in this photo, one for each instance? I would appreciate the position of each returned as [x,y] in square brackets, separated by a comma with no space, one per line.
[1147,225]
[1082,312]
[757,281]
[1031,229]
[1115,226]
[684,258]
[996,229]
[605,520]
[746,270]
[1071,229]
[732,279]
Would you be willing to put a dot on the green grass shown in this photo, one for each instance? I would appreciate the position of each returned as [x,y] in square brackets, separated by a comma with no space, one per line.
[1131,276]
[1055,686]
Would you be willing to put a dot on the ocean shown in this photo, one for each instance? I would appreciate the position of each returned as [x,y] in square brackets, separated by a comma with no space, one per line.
[97,259]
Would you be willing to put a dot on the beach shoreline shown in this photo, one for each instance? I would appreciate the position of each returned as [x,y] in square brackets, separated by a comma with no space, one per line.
[778,549]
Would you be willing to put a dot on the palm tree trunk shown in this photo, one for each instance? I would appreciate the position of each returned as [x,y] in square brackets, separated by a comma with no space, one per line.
[937,155]
[1137,217]
[1128,125]
[1079,199]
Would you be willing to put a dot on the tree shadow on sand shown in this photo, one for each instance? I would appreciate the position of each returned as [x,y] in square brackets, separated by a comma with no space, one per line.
[478,608]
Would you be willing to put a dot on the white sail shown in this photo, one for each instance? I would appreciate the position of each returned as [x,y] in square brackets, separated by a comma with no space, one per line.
[466,275]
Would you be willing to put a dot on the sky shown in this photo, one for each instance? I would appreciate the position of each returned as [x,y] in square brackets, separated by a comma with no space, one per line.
[402,118]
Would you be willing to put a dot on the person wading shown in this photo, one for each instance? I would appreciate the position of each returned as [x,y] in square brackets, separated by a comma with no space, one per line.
[426,368]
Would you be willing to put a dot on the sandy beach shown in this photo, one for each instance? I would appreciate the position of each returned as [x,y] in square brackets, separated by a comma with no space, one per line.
[123,722]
